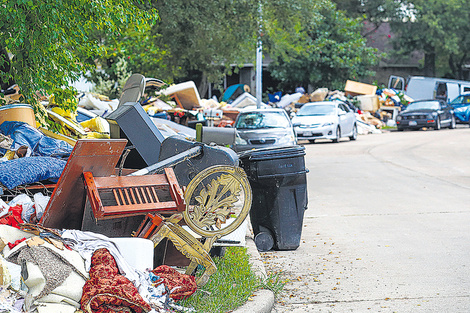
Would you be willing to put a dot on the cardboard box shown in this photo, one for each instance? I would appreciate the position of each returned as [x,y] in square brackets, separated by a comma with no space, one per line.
[368,103]
[353,88]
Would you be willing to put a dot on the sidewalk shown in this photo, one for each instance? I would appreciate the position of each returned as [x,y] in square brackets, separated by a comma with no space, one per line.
[263,300]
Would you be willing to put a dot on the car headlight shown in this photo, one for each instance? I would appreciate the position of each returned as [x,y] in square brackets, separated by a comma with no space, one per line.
[461,109]
[240,141]
[327,124]
[399,118]
[289,139]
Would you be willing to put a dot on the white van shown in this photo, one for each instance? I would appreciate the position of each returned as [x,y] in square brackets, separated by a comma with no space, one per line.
[422,88]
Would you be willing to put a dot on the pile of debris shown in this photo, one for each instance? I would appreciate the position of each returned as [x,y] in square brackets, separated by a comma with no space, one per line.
[97,224]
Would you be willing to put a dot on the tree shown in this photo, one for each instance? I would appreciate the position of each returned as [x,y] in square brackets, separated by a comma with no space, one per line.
[440,30]
[374,11]
[309,40]
[192,40]
[316,44]
[205,38]
[47,38]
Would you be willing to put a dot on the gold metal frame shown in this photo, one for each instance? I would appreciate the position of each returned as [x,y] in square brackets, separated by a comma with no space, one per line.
[207,214]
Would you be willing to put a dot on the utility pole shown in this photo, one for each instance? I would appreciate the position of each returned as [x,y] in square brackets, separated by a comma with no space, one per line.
[259,60]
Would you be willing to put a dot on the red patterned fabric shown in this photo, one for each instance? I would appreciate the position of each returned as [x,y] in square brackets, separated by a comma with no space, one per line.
[107,291]
[14,217]
[181,286]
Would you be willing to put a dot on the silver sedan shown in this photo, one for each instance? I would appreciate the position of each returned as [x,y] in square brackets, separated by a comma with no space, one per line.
[325,120]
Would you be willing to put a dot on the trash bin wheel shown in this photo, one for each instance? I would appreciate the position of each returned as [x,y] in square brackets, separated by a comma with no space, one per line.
[218,200]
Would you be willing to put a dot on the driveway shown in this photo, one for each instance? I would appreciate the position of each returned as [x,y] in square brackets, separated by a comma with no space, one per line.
[387,228]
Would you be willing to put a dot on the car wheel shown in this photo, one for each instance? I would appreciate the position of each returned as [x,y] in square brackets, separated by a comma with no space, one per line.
[311,140]
[354,133]
[452,123]
[338,135]
[438,123]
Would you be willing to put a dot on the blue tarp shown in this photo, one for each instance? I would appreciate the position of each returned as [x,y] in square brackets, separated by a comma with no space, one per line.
[24,134]
[231,90]
[30,170]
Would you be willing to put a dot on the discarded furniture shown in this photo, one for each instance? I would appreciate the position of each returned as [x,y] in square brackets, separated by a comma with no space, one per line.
[131,122]
[217,201]
[123,196]
[185,94]
[65,208]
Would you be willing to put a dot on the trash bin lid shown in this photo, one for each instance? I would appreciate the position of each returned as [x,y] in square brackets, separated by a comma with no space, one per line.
[272,153]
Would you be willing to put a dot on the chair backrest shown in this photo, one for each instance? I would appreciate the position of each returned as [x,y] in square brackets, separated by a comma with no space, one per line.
[124,196]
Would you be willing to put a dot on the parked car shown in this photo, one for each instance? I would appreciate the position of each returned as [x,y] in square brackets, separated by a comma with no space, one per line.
[461,105]
[325,120]
[426,113]
[263,128]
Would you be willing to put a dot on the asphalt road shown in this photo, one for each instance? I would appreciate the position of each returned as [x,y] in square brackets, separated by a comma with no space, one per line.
[387,228]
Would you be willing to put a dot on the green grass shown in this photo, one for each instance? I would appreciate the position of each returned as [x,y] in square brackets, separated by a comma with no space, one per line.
[232,285]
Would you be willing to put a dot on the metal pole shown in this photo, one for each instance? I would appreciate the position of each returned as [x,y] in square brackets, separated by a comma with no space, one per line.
[169,162]
[259,62]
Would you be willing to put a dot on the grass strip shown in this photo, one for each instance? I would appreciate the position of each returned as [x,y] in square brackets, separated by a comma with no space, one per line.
[232,285]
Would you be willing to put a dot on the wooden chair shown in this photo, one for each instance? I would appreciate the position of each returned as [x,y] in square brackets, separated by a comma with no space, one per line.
[125,196]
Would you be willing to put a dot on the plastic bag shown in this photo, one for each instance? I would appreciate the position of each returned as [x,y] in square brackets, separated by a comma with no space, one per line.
[26,203]
[3,208]
[40,203]
[96,124]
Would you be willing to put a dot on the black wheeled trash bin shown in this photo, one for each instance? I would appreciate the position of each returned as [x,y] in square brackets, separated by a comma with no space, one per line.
[279,183]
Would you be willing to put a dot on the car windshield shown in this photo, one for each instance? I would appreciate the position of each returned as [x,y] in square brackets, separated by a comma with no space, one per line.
[256,120]
[316,109]
[431,105]
[461,99]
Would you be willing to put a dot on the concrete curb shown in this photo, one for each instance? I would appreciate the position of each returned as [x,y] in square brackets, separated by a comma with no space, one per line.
[263,300]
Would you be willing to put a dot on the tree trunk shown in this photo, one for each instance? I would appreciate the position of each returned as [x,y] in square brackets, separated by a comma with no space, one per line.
[5,68]
[430,64]
[203,86]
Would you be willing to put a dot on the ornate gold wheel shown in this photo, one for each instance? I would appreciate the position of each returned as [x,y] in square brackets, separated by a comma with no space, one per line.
[218,200]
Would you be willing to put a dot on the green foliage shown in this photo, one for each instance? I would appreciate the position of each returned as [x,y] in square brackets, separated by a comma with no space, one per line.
[111,81]
[313,43]
[206,36]
[440,30]
[192,40]
[48,39]
[232,284]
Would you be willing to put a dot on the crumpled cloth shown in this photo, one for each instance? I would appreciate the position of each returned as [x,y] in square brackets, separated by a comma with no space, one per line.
[180,285]
[13,218]
[30,170]
[24,134]
[88,242]
[107,291]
